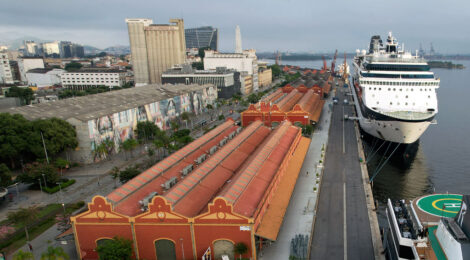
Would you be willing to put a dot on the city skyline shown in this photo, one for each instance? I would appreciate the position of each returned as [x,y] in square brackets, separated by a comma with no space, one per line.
[266,25]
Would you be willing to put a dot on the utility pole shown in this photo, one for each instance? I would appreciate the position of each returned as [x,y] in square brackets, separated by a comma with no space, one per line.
[44,145]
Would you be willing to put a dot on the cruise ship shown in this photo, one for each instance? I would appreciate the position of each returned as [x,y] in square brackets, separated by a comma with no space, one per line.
[394,91]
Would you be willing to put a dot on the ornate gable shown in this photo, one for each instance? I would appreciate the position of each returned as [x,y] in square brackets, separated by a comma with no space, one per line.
[160,212]
[221,212]
[100,211]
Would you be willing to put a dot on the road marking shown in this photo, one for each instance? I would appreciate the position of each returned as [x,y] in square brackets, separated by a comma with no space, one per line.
[344,223]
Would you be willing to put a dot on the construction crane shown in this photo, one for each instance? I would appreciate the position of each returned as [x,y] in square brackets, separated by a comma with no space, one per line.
[345,69]
[333,63]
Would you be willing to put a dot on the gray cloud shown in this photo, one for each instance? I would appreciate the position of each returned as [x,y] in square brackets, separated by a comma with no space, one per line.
[266,25]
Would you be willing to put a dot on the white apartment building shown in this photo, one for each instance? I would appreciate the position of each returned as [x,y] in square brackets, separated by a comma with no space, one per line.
[26,64]
[86,78]
[44,77]
[242,62]
[6,76]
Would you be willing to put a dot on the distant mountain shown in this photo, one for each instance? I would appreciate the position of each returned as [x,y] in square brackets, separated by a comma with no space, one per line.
[118,49]
[17,43]
[90,50]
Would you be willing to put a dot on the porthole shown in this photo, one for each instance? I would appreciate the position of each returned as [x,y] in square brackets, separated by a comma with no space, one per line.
[429,96]
[388,89]
[406,96]
[380,88]
[400,89]
[391,103]
[406,104]
[375,88]
[393,89]
[411,89]
[398,103]
[377,102]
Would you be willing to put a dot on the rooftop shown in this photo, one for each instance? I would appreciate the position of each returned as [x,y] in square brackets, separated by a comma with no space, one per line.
[97,70]
[93,106]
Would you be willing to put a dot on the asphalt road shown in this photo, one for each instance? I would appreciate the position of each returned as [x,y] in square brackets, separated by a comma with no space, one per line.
[342,229]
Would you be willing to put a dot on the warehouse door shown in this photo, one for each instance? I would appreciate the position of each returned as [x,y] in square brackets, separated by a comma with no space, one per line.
[165,249]
[223,247]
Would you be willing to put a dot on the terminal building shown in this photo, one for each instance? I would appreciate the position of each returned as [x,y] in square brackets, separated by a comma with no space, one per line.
[227,187]
[227,81]
[114,115]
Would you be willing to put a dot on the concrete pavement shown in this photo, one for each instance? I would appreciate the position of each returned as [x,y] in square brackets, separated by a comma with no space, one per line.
[342,229]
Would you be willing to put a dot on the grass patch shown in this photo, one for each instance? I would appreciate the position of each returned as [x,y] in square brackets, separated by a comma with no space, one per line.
[57,188]
[46,219]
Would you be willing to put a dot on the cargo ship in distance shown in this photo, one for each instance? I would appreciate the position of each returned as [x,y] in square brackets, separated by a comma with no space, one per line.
[394,92]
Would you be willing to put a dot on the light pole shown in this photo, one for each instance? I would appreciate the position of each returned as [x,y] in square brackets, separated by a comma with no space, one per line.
[63,207]
[182,248]
[45,183]
[40,185]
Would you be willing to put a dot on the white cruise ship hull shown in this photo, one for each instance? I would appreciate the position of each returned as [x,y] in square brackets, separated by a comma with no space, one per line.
[394,131]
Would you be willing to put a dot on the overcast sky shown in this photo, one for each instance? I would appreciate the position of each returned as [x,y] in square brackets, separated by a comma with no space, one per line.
[266,25]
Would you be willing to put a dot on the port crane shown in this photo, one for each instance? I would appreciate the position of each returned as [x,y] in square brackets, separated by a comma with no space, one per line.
[333,63]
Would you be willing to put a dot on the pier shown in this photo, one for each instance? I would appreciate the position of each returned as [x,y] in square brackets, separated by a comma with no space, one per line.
[345,224]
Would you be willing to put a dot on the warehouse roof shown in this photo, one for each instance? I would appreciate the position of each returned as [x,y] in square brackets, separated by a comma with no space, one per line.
[94,106]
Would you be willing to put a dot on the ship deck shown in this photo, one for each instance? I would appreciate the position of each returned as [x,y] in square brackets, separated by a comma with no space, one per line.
[431,208]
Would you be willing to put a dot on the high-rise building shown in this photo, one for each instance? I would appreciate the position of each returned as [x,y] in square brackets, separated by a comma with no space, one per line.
[31,48]
[78,51]
[238,40]
[65,49]
[155,48]
[6,76]
[202,37]
[51,48]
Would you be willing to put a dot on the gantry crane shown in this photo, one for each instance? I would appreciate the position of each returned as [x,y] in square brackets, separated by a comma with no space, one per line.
[333,63]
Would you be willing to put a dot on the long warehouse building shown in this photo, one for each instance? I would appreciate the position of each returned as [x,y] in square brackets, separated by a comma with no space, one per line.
[229,186]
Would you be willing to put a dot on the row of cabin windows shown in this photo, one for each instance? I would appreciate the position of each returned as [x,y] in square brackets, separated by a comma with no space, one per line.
[397,83]
[406,89]
[398,103]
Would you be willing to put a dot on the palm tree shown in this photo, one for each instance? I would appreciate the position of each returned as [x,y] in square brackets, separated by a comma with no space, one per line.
[240,248]
[21,255]
[54,253]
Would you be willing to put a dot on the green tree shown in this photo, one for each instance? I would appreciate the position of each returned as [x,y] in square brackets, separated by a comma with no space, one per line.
[25,217]
[185,116]
[253,98]
[34,171]
[146,131]
[5,175]
[198,65]
[54,253]
[307,129]
[240,248]
[276,70]
[58,134]
[22,255]
[201,52]
[24,94]
[61,164]
[14,133]
[174,125]
[118,248]
[73,66]
[129,145]
[129,173]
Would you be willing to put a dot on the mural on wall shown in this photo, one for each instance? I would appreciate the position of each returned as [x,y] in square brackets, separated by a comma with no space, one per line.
[120,126]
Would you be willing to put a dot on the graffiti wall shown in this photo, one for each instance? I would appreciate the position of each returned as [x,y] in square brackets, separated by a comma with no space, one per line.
[120,126]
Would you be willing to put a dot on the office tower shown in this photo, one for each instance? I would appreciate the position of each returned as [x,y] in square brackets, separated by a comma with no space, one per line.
[202,37]
[155,48]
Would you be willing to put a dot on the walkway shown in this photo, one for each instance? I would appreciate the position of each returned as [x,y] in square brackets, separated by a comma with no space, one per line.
[300,212]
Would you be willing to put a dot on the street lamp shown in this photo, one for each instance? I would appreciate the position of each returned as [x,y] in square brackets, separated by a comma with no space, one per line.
[40,185]
[45,183]
[63,207]
[182,248]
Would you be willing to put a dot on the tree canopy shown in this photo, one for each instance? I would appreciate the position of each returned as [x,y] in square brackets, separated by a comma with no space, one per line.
[34,171]
[20,139]
[5,175]
[118,248]
[24,94]
[73,66]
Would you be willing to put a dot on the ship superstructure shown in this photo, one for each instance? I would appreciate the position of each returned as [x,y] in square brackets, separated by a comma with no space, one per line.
[394,91]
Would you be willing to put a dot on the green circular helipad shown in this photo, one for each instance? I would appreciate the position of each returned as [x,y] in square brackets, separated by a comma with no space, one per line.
[441,205]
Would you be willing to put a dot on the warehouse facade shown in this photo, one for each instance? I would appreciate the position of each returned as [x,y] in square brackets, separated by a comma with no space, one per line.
[229,186]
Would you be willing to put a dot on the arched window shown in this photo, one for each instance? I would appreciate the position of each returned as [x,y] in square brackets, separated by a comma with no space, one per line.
[165,249]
